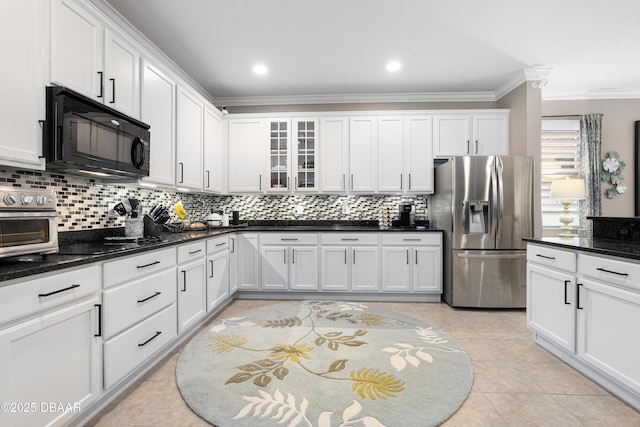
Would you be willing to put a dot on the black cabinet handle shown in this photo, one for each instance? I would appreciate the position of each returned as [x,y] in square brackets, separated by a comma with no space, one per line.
[140,301]
[99,334]
[148,265]
[233,245]
[411,240]
[293,256]
[409,181]
[578,299]
[349,240]
[289,240]
[354,256]
[284,254]
[407,256]
[566,283]
[467,146]
[113,91]
[101,94]
[221,244]
[345,256]
[150,339]
[401,181]
[211,264]
[416,257]
[546,257]
[181,172]
[476,146]
[58,291]
[195,252]
[612,272]
[184,281]
[208,183]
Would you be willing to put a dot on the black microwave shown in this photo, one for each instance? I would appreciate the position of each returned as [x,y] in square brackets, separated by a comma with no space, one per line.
[83,136]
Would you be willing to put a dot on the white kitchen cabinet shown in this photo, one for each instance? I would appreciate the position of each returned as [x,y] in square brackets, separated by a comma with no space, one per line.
[334,154]
[304,163]
[217,272]
[405,154]
[278,168]
[233,264]
[349,262]
[248,261]
[335,271]
[289,261]
[189,123]
[22,26]
[246,138]
[412,262]
[365,275]
[427,268]
[157,109]
[363,143]
[192,298]
[214,154]
[122,74]
[475,133]
[94,59]
[396,269]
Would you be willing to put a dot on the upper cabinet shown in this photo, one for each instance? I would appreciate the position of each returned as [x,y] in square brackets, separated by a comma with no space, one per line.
[213,152]
[245,155]
[471,134]
[305,154]
[22,26]
[189,122]
[279,155]
[158,111]
[334,154]
[93,59]
[363,141]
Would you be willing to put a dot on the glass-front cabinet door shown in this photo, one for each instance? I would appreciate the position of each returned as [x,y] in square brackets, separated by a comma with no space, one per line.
[304,168]
[279,156]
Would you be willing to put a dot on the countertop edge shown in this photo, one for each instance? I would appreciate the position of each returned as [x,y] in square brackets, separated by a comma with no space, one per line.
[623,250]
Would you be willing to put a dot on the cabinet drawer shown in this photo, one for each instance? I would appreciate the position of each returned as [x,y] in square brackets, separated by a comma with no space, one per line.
[288,239]
[125,352]
[217,244]
[610,271]
[191,251]
[46,291]
[349,239]
[126,305]
[411,239]
[556,258]
[137,266]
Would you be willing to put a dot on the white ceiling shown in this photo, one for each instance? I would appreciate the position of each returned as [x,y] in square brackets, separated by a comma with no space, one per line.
[332,50]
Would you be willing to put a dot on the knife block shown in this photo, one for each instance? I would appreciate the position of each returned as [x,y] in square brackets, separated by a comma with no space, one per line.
[151,229]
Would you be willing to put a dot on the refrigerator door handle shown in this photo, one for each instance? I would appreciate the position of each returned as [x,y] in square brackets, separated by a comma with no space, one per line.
[500,194]
[495,219]
[484,254]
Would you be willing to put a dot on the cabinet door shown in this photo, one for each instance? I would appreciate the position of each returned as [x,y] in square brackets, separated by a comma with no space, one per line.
[279,156]
[364,268]
[122,75]
[390,154]
[363,141]
[305,155]
[427,269]
[490,135]
[303,268]
[245,156]
[233,264]
[396,269]
[189,139]
[38,356]
[22,40]
[334,268]
[217,279]
[605,341]
[451,135]
[158,111]
[418,147]
[275,267]
[191,294]
[214,154]
[551,305]
[334,154]
[248,262]
[77,37]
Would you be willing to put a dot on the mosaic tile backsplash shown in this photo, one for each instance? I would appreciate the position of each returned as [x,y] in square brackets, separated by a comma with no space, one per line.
[83,202]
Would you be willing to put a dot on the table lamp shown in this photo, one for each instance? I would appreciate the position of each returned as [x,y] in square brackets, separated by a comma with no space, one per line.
[567,190]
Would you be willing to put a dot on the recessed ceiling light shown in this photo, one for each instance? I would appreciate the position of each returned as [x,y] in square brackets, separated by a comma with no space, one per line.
[260,69]
[393,66]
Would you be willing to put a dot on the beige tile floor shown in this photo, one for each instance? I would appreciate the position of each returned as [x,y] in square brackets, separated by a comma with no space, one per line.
[517,383]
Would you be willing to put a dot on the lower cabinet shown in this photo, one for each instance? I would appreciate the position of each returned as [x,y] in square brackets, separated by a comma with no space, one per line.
[289,261]
[192,298]
[55,358]
[248,262]
[233,264]
[349,262]
[217,271]
[412,263]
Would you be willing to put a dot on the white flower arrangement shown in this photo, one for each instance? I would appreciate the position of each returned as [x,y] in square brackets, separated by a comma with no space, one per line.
[612,173]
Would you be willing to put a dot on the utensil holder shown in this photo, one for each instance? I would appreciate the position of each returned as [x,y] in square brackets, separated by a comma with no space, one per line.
[133,227]
[151,229]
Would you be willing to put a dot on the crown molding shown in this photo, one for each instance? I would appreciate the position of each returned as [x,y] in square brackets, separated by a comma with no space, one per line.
[355,98]
[595,94]
[537,75]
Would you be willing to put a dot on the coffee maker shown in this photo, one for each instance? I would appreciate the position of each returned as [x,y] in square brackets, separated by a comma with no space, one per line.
[406,211]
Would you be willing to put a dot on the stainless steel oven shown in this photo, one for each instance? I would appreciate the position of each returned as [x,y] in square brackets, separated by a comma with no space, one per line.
[28,221]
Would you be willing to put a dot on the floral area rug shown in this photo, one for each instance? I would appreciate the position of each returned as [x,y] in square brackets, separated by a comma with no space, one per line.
[323,363]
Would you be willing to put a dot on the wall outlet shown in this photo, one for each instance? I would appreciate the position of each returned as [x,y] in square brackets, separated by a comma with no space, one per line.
[299,210]
[345,208]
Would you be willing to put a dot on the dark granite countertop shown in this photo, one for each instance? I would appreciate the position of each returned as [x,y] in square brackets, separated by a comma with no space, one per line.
[618,248]
[90,247]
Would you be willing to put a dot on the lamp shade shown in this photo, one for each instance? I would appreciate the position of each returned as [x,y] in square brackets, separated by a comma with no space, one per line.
[568,189]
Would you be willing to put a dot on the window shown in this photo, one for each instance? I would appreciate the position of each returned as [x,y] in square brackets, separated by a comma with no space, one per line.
[560,158]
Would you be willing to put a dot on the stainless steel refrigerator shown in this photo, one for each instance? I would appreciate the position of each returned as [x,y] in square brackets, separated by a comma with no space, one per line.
[485,206]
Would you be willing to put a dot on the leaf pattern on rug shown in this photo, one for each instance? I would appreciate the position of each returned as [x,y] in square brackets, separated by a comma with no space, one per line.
[373,319]
[259,371]
[334,339]
[224,343]
[283,410]
[403,355]
[284,323]
[374,384]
